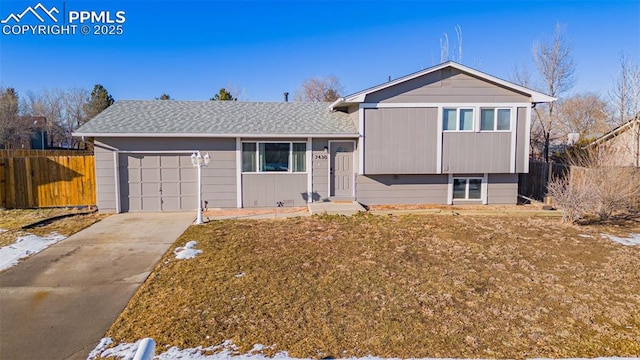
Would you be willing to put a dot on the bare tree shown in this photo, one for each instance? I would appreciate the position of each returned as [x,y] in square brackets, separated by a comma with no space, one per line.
[444,48]
[459,35]
[445,55]
[64,110]
[74,113]
[50,104]
[625,99]
[320,89]
[585,114]
[556,68]
[521,75]
[12,127]
[625,92]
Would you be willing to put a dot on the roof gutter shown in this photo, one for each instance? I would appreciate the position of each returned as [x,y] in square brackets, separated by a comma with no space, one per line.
[333,105]
[201,135]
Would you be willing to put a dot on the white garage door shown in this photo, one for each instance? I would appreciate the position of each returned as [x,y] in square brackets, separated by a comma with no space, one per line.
[153,182]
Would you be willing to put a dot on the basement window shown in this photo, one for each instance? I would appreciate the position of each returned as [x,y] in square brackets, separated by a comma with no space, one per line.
[467,188]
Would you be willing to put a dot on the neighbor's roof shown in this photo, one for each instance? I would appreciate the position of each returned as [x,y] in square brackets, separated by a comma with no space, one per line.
[536,97]
[617,131]
[222,118]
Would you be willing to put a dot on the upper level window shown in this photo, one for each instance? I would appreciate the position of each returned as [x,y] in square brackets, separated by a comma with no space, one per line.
[274,157]
[495,119]
[457,119]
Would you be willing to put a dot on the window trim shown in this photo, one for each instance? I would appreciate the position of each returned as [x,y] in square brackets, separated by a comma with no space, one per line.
[484,188]
[476,110]
[495,118]
[290,160]
[466,188]
[458,119]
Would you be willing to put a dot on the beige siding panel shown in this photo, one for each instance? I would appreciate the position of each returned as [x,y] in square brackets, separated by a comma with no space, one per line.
[401,189]
[105,178]
[400,140]
[446,86]
[471,152]
[266,190]
[522,143]
[502,189]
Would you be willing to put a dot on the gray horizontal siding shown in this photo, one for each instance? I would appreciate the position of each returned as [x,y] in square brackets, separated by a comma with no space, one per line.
[401,140]
[401,189]
[446,85]
[502,189]
[471,152]
[266,190]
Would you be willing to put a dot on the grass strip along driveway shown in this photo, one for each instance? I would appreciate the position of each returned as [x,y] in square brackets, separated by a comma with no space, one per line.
[396,286]
[12,221]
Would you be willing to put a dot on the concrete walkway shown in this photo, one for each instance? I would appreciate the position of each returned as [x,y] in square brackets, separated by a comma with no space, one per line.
[335,208]
[58,304]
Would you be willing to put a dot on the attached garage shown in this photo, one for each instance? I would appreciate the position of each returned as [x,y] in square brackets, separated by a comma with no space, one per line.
[157,182]
[433,136]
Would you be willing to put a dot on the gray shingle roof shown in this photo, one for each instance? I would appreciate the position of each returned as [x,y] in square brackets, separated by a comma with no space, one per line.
[217,117]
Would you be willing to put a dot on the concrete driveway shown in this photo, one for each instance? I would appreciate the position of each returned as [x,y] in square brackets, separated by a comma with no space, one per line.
[59,303]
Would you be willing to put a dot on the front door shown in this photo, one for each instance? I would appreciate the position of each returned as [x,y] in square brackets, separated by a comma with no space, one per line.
[341,171]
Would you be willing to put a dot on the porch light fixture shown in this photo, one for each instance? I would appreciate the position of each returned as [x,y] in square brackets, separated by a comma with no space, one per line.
[197,160]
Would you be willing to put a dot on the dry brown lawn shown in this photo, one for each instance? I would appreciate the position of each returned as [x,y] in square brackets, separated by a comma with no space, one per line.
[396,286]
[14,220]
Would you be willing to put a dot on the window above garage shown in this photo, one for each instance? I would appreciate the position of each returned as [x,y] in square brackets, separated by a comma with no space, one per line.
[263,157]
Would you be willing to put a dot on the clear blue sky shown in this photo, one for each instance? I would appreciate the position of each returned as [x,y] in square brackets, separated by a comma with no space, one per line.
[189,49]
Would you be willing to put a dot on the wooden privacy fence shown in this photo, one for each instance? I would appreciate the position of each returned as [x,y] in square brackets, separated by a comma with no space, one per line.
[534,184]
[46,178]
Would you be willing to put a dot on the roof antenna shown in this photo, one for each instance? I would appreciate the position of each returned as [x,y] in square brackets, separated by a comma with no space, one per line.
[286,97]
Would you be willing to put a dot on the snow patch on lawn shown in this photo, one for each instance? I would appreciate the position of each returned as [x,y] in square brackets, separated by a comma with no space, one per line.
[3,230]
[586,236]
[187,252]
[633,239]
[229,351]
[26,246]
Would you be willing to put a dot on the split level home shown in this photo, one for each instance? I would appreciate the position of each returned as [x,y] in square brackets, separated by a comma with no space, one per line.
[448,134]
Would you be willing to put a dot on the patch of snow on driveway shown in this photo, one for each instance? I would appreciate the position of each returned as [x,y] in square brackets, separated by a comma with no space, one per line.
[633,239]
[228,351]
[26,246]
[187,252]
